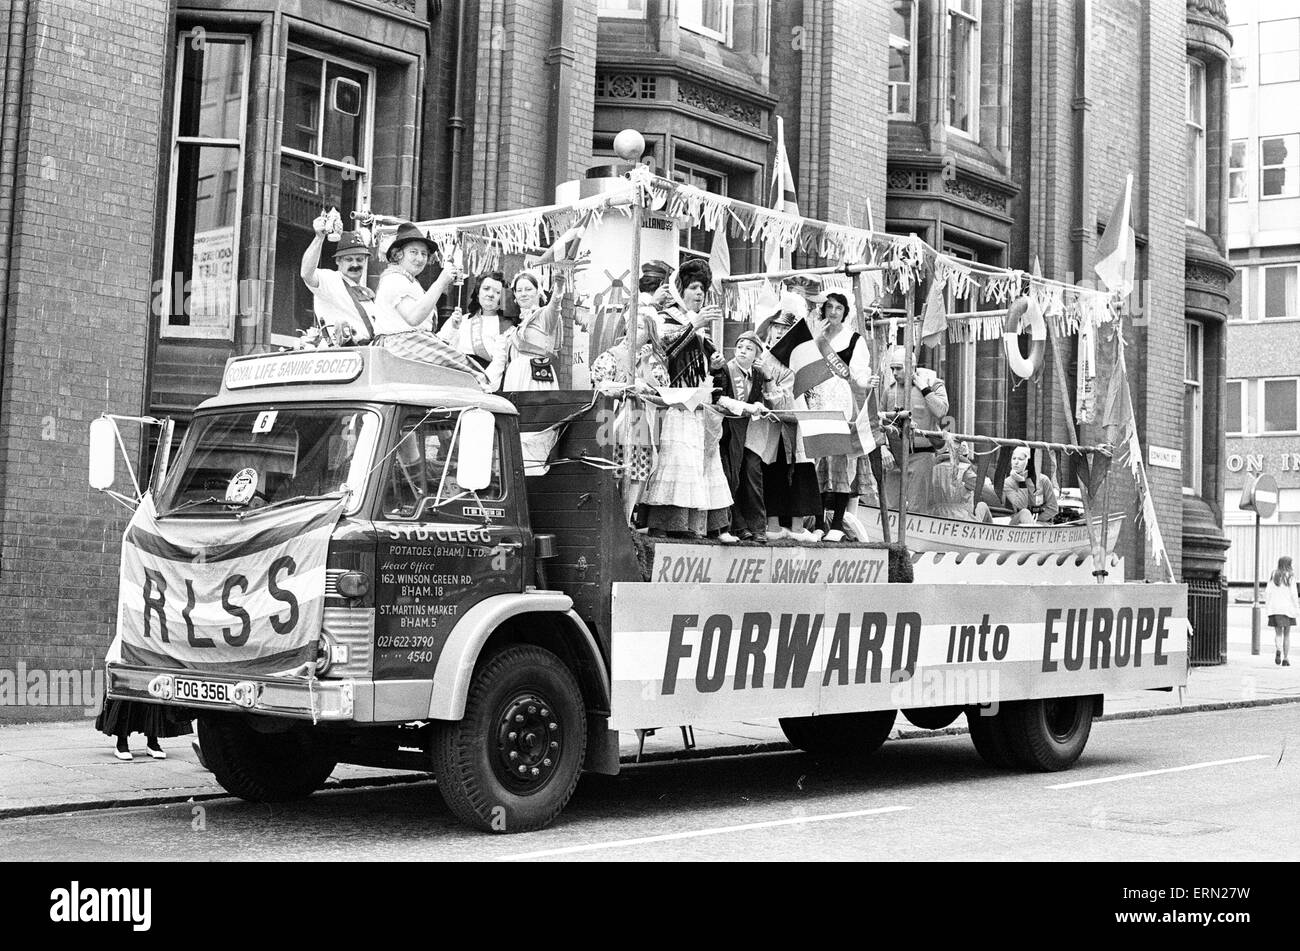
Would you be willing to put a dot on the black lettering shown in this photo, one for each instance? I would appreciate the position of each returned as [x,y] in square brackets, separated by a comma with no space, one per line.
[707,681]
[1162,631]
[1075,637]
[677,650]
[984,634]
[152,580]
[1103,620]
[281,594]
[194,639]
[907,627]
[1049,638]
[871,644]
[234,610]
[838,661]
[794,648]
[966,644]
[1146,623]
[1001,641]
[755,628]
[1123,636]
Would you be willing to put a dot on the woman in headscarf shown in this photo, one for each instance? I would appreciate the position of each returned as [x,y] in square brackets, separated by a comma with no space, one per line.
[687,494]
[635,420]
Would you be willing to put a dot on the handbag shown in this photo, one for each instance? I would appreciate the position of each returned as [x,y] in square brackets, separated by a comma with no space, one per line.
[542,370]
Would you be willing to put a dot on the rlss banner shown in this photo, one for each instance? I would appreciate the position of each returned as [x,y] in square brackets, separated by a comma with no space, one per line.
[242,596]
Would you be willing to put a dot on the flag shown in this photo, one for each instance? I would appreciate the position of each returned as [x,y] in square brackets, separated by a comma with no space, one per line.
[720,257]
[565,247]
[798,351]
[934,317]
[826,433]
[783,199]
[1117,253]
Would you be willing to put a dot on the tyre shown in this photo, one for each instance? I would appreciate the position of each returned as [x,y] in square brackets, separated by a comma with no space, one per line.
[932,718]
[840,734]
[262,767]
[1049,735]
[512,762]
[988,733]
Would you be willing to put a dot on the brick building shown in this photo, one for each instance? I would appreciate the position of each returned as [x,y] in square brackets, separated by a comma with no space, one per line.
[182,158]
[1263,392]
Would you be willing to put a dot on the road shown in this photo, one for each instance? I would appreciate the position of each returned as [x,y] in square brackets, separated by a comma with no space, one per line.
[1196,786]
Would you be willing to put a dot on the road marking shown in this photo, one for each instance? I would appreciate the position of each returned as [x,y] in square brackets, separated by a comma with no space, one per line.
[698,833]
[1157,772]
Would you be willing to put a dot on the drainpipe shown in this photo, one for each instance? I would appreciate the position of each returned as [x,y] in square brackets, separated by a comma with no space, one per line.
[456,124]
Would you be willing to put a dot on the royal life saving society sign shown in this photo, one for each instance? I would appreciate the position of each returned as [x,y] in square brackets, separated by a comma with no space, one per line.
[324,366]
[701,653]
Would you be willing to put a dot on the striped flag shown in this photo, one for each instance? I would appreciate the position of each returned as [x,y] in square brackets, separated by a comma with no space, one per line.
[1117,252]
[783,199]
[720,257]
[241,596]
[829,433]
[798,351]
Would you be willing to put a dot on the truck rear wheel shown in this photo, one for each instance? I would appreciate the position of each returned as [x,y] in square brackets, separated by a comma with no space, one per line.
[262,767]
[988,733]
[512,762]
[847,734]
[1049,735]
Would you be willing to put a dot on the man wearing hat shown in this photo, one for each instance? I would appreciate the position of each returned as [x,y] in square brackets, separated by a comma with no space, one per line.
[344,305]
[927,399]
[746,391]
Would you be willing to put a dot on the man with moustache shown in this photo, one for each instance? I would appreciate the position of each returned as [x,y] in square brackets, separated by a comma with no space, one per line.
[344,305]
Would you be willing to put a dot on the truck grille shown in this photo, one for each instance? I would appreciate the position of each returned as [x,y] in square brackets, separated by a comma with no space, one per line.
[355,628]
[332,576]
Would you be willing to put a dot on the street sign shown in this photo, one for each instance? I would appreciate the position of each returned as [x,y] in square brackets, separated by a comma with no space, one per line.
[1260,496]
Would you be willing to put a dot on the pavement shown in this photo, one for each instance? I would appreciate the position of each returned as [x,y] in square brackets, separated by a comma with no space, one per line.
[69,766]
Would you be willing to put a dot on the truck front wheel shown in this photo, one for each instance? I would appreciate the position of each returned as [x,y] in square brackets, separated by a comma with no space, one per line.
[512,762]
[855,734]
[1049,735]
[262,767]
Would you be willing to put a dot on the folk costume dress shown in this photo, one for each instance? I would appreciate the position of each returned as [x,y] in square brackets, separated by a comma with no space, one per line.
[687,493]
[393,333]
[840,473]
[612,367]
[790,489]
[529,354]
[481,337]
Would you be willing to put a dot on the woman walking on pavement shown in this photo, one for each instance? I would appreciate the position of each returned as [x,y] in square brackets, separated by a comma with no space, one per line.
[1282,608]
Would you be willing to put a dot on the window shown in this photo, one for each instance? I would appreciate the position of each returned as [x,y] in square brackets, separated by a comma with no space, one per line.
[623,9]
[1237,170]
[1279,51]
[1195,142]
[1236,410]
[1279,166]
[1193,405]
[974,370]
[711,18]
[698,239]
[902,58]
[1238,66]
[324,163]
[1278,409]
[424,463]
[1280,292]
[198,296]
[963,66]
[1237,294]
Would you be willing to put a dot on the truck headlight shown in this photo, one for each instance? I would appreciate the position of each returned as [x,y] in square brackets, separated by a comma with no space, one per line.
[328,653]
[353,584]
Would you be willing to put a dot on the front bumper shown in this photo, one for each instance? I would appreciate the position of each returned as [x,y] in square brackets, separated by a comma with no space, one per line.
[272,696]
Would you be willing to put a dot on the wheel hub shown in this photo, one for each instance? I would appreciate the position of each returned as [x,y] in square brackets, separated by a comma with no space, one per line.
[530,739]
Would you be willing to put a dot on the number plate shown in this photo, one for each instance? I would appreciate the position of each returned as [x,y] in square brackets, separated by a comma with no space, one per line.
[202,690]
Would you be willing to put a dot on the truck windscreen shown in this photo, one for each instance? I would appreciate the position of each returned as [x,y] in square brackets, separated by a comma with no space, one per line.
[243,460]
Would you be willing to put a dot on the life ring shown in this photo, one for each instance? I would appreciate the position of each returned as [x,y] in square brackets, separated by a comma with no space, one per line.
[1022,310]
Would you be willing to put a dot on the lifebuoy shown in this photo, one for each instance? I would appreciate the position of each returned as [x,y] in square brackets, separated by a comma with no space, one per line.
[1022,310]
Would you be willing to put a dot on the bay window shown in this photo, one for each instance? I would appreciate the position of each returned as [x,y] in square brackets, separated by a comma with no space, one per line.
[1193,405]
[902,58]
[963,44]
[1195,111]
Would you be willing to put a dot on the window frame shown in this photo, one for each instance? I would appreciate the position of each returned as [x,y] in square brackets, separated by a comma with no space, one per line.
[1260,53]
[1263,167]
[1240,418]
[167,309]
[1194,330]
[1263,270]
[1196,67]
[698,169]
[891,111]
[1261,388]
[620,14]
[1240,52]
[728,8]
[1242,170]
[422,512]
[952,8]
[364,173]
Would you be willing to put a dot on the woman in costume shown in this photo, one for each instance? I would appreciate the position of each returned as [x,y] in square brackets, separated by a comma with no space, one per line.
[529,355]
[485,331]
[687,494]
[846,352]
[121,718]
[635,420]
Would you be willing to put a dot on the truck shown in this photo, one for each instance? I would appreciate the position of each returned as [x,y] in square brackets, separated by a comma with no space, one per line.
[357,558]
